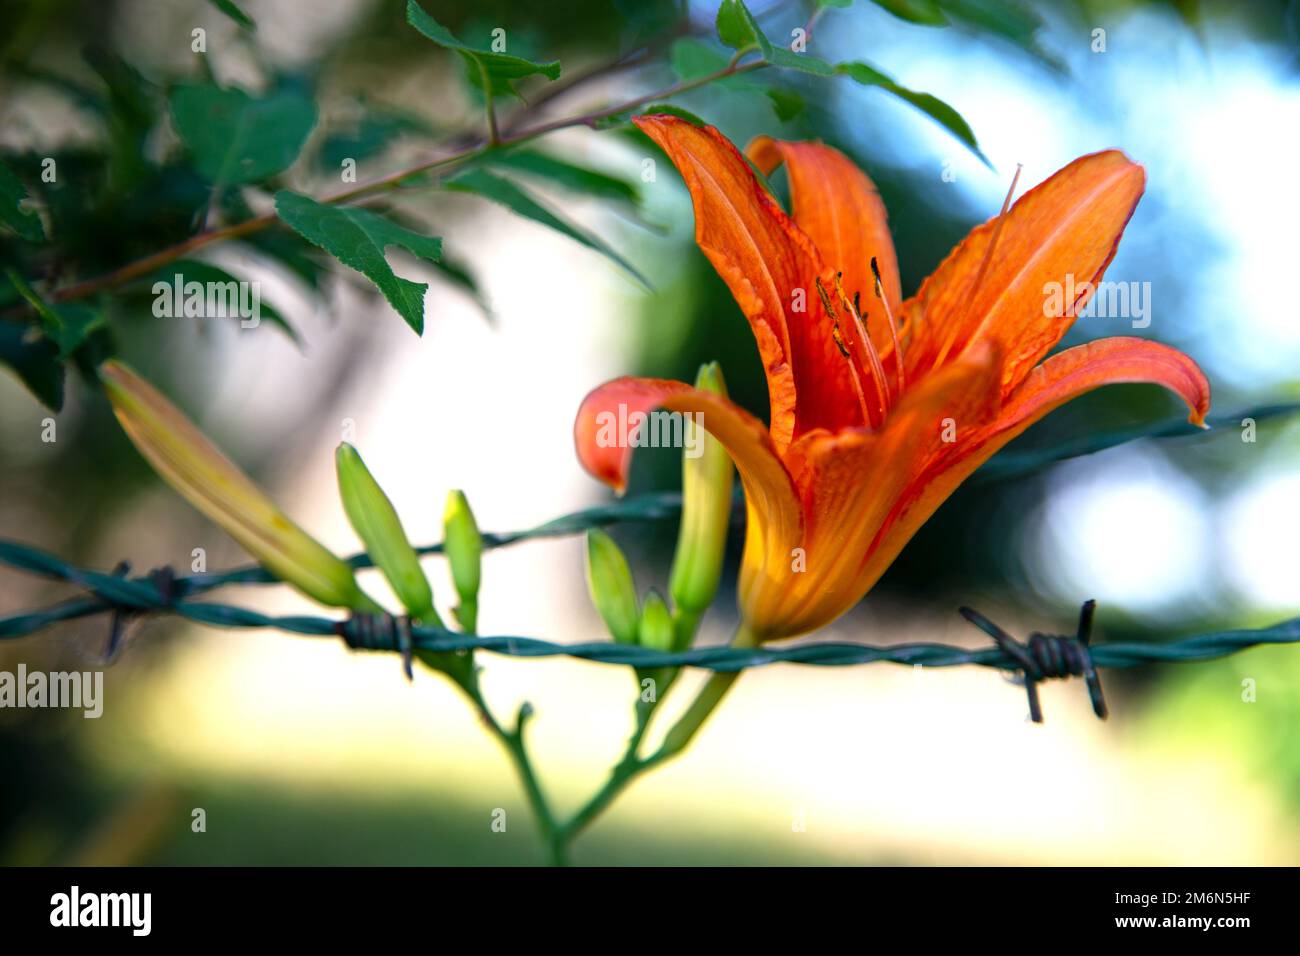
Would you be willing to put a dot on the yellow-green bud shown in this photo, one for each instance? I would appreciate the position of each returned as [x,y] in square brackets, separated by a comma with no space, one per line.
[375,521]
[656,629]
[463,545]
[198,471]
[612,592]
[707,481]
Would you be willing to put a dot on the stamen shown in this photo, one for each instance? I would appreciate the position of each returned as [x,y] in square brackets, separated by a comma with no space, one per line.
[984,266]
[893,326]
[855,369]
[878,370]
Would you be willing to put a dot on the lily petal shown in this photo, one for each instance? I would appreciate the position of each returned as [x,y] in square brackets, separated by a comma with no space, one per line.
[1065,230]
[772,506]
[771,266]
[852,481]
[839,207]
[1063,377]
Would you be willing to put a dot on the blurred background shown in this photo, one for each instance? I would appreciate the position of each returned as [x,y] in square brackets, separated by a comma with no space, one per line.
[301,752]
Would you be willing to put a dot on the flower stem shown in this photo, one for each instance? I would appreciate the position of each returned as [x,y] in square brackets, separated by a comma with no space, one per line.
[632,766]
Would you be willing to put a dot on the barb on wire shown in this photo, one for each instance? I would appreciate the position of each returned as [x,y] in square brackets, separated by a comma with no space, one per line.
[1049,655]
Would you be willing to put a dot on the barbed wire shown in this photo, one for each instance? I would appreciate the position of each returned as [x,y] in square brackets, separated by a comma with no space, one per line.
[158,593]
[161,592]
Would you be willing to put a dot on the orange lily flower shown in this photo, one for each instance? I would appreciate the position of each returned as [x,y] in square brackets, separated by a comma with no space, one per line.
[880,407]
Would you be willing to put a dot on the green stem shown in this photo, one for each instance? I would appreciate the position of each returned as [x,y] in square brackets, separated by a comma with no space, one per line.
[627,770]
[517,750]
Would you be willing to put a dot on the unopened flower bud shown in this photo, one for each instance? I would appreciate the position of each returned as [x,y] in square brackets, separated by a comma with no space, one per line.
[375,521]
[463,546]
[707,479]
[612,592]
[656,628]
[197,470]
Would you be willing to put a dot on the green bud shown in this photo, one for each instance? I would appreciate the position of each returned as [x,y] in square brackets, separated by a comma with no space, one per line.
[707,481]
[376,523]
[612,592]
[187,460]
[463,545]
[656,628]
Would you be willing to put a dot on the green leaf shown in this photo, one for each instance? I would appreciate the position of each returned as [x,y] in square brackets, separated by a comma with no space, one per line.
[1004,18]
[196,270]
[377,129]
[691,58]
[1007,19]
[22,221]
[787,104]
[803,62]
[925,12]
[358,238]
[67,326]
[738,29]
[35,360]
[500,69]
[568,175]
[482,183]
[236,138]
[130,113]
[229,8]
[932,106]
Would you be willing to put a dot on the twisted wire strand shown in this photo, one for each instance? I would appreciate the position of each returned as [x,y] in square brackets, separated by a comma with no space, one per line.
[143,595]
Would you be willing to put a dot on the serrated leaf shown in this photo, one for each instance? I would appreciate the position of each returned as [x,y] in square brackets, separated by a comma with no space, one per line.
[196,270]
[358,238]
[738,29]
[500,69]
[35,360]
[925,12]
[25,222]
[236,138]
[482,183]
[932,106]
[230,9]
